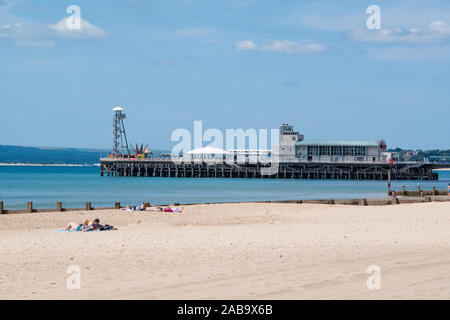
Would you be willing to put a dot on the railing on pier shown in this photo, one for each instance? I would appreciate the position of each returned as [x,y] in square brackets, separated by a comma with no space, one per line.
[274,160]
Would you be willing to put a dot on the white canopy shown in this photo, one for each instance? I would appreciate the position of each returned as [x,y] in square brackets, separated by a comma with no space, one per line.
[207,151]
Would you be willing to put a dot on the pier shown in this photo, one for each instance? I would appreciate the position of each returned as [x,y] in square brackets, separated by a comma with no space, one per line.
[163,167]
[293,158]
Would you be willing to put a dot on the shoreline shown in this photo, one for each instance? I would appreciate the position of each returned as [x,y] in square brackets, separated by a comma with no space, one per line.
[386,201]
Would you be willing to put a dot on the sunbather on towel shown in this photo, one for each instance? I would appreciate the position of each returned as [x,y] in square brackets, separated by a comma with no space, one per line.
[86,226]
[94,225]
[133,208]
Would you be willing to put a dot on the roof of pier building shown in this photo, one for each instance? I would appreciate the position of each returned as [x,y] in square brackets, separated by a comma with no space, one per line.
[333,143]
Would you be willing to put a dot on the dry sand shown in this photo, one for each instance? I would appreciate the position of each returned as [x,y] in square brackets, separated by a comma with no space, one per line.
[231,251]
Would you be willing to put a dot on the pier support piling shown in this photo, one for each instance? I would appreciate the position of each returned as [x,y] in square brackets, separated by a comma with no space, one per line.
[161,167]
[88,206]
[59,206]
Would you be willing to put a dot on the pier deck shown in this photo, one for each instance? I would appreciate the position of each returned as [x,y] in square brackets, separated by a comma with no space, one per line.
[163,167]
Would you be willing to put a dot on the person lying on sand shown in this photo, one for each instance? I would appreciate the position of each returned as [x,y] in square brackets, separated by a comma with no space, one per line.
[167,209]
[142,207]
[86,226]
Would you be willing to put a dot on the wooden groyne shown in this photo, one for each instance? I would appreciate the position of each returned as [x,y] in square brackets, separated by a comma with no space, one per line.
[162,167]
[59,208]
[419,192]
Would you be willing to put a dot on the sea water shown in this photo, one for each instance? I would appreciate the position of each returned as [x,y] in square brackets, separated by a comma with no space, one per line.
[75,186]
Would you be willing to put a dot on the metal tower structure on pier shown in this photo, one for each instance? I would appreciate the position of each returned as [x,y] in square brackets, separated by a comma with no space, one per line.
[120,143]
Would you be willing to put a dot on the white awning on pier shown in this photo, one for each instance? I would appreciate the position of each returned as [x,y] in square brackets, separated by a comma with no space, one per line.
[207,153]
[208,150]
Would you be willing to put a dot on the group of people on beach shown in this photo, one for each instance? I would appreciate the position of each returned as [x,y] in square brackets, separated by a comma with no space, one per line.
[87,226]
[145,205]
[96,226]
[142,207]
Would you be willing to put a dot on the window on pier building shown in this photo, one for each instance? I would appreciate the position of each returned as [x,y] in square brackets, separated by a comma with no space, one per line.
[360,151]
[336,150]
[348,151]
[325,150]
[313,150]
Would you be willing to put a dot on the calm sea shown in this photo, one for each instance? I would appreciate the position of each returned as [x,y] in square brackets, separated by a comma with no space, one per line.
[74,186]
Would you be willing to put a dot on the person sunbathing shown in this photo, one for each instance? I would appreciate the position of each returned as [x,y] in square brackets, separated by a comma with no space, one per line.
[142,207]
[129,208]
[86,226]
[94,225]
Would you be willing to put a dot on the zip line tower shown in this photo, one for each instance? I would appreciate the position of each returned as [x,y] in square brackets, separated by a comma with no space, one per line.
[120,143]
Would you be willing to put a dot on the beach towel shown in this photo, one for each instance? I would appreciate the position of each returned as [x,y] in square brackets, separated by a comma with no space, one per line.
[176,210]
[101,228]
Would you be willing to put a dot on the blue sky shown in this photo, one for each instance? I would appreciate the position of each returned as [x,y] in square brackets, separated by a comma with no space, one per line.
[231,63]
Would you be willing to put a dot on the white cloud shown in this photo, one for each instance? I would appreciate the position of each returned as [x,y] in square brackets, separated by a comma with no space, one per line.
[8,30]
[245,45]
[440,26]
[334,16]
[25,34]
[287,46]
[280,46]
[436,31]
[86,29]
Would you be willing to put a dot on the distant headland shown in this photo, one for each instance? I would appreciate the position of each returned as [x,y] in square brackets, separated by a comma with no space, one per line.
[50,156]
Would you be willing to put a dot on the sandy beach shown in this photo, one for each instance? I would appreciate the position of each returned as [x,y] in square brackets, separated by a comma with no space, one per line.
[232,251]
